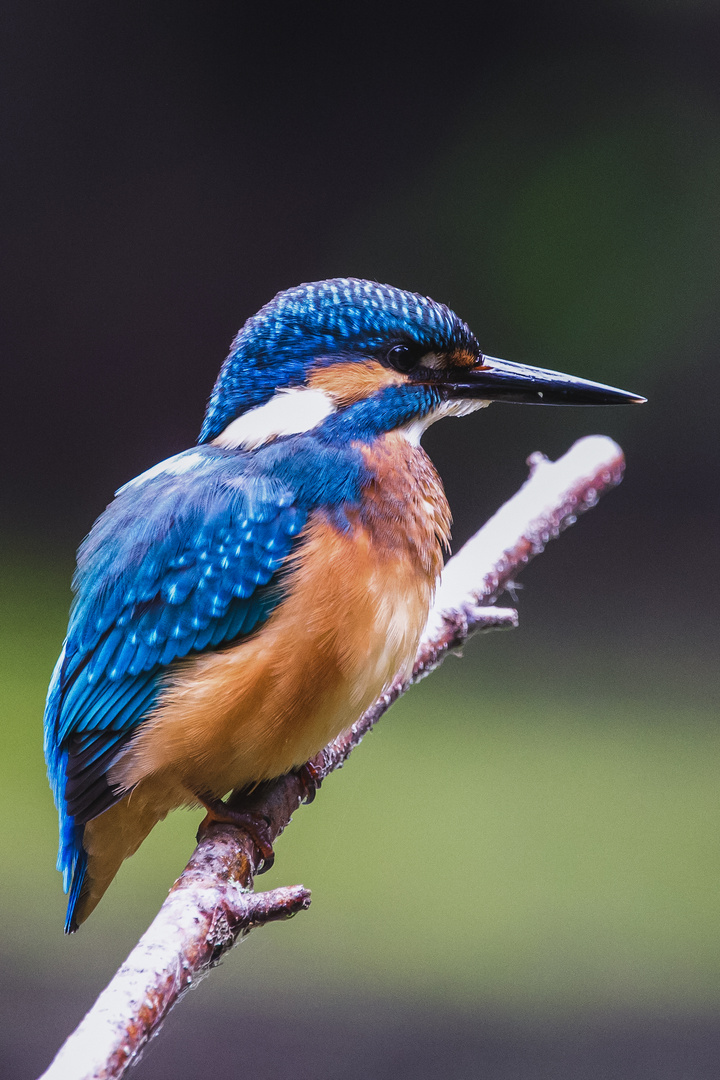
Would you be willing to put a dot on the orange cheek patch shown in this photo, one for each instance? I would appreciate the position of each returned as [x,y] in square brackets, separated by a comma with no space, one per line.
[354,380]
[462,358]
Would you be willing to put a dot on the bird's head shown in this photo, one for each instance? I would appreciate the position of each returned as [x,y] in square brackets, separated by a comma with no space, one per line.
[361,359]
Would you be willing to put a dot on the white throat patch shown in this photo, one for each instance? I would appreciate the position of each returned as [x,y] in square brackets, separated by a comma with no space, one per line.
[288,412]
[415,430]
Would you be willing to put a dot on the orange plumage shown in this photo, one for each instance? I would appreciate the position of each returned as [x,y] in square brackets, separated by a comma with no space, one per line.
[355,607]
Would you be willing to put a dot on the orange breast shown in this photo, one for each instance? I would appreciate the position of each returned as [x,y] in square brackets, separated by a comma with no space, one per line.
[356,605]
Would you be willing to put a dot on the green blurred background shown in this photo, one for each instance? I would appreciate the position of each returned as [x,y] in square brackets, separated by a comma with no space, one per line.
[517,875]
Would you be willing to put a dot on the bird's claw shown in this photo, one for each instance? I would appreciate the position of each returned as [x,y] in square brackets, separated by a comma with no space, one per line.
[254,824]
[310,778]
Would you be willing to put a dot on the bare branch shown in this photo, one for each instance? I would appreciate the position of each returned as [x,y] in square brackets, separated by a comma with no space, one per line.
[211,904]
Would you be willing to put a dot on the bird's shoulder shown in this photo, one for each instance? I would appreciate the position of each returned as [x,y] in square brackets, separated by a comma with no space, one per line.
[172,550]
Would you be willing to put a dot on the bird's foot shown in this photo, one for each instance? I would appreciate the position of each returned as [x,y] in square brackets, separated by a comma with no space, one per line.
[310,778]
[254,824]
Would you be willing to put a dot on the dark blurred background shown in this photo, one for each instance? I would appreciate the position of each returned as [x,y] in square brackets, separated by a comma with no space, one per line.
[518,875]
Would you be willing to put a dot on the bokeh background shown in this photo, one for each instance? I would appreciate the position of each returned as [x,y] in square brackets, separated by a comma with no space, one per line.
[518,874]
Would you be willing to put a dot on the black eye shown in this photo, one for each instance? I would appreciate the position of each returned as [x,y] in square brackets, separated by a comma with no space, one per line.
[401,357]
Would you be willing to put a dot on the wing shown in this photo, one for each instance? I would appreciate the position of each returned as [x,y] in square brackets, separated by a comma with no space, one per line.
[185,559]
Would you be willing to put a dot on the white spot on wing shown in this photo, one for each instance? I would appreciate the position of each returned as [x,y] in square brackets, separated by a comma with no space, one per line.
[288,412]
[174,466]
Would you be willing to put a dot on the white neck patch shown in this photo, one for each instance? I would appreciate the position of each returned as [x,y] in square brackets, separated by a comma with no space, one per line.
[288,412]
[415,430]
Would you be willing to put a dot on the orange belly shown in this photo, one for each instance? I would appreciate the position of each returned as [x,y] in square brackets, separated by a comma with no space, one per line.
[356,605]
[351,621]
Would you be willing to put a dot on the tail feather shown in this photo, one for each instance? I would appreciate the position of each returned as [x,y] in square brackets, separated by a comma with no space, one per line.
[72,858]
[78,880]
[114,836]
[90,854]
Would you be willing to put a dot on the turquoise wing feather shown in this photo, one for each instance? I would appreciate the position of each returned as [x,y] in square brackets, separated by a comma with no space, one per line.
[187,558]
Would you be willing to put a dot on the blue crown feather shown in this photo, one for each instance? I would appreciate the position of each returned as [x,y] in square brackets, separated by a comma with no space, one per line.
[275,347]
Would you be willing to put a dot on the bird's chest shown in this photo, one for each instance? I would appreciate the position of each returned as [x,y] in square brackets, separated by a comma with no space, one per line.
[356,602]
[379,577]
[404,506]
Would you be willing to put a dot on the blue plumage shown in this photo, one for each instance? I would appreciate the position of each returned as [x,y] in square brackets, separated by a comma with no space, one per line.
[185,559]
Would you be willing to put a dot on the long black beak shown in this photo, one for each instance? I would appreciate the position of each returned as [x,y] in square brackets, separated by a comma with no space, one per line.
[501,380]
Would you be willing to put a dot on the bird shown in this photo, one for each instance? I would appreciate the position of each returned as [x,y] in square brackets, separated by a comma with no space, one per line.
[242,603]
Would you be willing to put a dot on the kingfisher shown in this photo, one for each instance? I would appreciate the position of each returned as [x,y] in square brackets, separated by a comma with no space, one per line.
[242,603]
